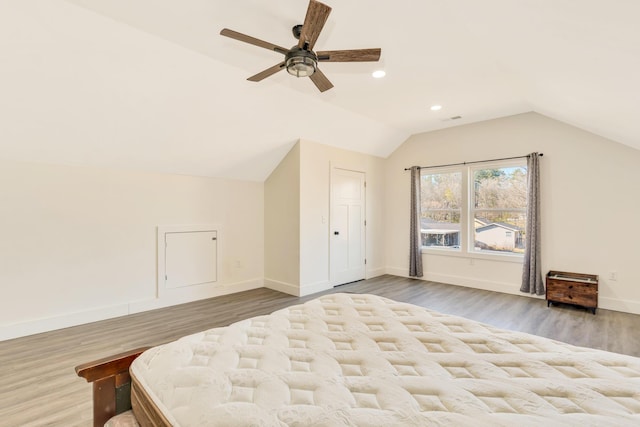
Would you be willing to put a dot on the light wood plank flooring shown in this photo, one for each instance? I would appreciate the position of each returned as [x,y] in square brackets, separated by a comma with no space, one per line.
[38,386]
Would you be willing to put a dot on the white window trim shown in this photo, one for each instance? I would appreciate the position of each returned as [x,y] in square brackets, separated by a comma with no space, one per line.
[466,250]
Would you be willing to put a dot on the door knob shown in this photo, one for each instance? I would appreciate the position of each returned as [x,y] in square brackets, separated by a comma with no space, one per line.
[335,233]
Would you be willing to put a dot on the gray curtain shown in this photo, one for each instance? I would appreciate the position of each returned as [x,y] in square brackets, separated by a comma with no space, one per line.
[532,272]
[415,252]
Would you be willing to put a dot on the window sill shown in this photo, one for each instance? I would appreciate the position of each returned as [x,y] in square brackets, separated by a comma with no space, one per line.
[457,253]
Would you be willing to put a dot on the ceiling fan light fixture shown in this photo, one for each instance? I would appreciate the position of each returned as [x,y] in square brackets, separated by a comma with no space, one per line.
[301,66]
[301,62]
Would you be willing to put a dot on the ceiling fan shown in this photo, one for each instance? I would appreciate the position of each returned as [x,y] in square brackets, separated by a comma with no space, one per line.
[301,60]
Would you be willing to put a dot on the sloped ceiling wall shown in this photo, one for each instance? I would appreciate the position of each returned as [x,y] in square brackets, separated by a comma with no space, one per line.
[151,85]
[80,88]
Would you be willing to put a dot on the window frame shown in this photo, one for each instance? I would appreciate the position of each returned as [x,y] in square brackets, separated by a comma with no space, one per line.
[466,248]
[463,220]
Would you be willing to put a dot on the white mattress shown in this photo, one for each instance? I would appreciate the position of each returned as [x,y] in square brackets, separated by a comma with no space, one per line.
[363,360]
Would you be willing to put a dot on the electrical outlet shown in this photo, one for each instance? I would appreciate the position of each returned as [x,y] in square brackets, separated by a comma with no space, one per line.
[613,276]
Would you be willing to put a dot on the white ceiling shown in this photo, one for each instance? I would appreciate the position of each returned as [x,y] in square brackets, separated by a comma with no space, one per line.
[151,85]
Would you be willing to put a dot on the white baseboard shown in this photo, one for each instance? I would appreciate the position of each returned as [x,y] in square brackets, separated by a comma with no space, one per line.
[375,272]
[396,271]
[615,304]
[472,282]
[171,297]
[624,306]
[287,288]
[295,290]
[37,326]
[469,282]
[313,288]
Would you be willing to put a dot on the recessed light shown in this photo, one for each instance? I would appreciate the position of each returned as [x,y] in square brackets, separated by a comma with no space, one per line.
[436,107]
[379,74]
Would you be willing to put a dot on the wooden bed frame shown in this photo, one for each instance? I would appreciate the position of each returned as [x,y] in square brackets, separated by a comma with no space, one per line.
[111,384]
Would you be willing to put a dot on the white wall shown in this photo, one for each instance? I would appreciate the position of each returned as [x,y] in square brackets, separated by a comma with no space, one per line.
[297,217]
[590,204]
[282,225]
[79,244]
[316,161]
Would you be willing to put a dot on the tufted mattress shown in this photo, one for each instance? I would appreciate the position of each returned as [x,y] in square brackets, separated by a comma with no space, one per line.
[364,360]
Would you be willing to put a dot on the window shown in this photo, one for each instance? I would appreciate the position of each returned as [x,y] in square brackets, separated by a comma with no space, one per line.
[499,209]
[441,201]
[475,209]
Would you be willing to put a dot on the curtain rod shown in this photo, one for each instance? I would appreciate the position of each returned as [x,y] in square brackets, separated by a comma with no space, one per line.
[477,161]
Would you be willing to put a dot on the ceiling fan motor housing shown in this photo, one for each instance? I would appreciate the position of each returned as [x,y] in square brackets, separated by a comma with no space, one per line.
[301,62]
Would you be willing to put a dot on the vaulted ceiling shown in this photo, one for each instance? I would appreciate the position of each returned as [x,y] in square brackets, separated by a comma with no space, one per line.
[151,85]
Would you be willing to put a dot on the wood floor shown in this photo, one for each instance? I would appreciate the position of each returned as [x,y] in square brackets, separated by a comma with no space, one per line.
[38,386]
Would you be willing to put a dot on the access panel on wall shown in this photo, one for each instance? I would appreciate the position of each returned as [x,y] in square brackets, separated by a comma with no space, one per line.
[186,257]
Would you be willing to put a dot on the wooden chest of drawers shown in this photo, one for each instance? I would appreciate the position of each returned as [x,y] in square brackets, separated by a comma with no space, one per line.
[573,288]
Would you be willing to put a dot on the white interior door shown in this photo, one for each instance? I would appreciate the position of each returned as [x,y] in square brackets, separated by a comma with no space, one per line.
[347,226]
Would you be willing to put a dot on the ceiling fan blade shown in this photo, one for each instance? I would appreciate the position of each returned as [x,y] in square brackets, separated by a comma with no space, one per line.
[266,73]
[317,14]
[252,40]
[321,81]
[355,55]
